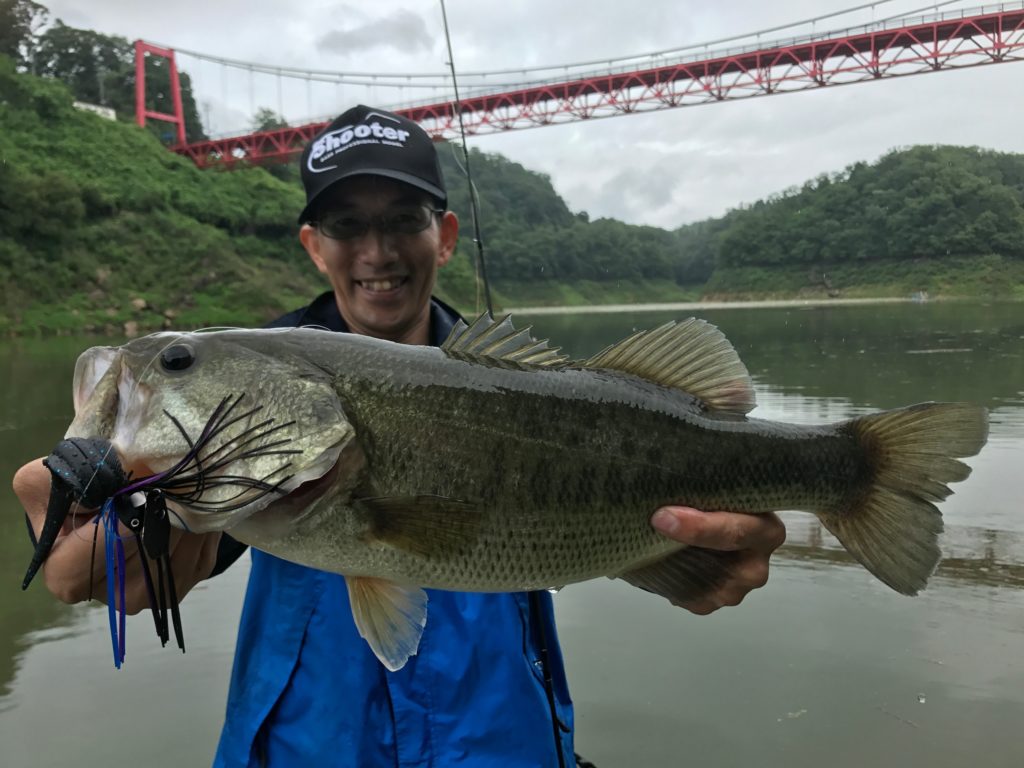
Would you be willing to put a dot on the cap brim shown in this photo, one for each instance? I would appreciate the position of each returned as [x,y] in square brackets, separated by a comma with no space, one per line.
[413,181]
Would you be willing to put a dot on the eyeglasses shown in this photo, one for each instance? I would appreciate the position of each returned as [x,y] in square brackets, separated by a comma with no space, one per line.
[401,220]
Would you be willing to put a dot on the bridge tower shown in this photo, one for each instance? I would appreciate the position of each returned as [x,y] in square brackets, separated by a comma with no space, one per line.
[141,113]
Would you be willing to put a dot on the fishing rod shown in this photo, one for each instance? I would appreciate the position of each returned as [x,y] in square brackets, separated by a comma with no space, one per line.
[473,204]
[535,607]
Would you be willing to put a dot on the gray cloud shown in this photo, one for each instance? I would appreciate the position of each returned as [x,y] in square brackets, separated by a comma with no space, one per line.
[401,30]
[664,168]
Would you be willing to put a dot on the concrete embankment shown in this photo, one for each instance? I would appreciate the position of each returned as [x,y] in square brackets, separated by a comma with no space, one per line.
[692,305]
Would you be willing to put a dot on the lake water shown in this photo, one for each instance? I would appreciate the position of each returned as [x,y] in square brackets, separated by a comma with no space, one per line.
[824,666]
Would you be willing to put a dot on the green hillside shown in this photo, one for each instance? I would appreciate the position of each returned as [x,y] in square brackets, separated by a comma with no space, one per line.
[949,220]
[101,226]
[96,214]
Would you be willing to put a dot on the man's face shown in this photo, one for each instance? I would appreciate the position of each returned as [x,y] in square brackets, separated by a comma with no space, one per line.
[382,281]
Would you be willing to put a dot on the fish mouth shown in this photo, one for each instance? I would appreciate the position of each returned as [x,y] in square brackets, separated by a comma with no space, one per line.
[110,403]
[92,366]
[236,466]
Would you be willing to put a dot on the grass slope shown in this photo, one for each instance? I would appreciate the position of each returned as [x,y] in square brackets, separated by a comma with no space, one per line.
[103,230]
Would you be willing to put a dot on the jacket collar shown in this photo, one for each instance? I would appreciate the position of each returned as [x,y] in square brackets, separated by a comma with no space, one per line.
[324,312]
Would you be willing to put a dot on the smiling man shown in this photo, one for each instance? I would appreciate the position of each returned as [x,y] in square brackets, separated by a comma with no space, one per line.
[375,222]
[376,241]
[487,687]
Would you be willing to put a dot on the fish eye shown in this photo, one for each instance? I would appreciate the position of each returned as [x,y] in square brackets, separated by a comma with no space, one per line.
[177,357]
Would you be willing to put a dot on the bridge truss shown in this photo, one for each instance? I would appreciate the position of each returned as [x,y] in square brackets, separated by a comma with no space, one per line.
[984,36]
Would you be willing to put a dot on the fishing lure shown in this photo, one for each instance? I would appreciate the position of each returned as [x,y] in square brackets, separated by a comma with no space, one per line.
[87,472]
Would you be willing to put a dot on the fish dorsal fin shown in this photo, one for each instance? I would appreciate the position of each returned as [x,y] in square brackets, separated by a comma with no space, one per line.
[691,355]
[498,343]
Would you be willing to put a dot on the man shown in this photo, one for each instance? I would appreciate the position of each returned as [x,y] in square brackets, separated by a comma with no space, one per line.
[487,687]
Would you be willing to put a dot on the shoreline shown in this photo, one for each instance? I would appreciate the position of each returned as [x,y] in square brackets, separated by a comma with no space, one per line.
[704,305]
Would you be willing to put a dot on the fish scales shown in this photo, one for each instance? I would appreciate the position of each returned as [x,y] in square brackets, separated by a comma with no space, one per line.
[555,464]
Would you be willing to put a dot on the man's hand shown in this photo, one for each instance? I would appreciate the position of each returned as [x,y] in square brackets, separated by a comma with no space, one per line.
[752,537]
[67,570]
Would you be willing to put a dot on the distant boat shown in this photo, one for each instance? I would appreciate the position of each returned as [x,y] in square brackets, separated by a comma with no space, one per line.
[919,297]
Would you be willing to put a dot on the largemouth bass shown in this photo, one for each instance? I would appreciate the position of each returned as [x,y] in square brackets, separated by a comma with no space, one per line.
[496,464]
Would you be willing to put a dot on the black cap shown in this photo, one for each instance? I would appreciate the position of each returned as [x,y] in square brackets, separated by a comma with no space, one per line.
[366,141]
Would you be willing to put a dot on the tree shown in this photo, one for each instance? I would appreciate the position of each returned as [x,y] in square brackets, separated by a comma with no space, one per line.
[90,64]
[19,22]
[100,69]
[267,119]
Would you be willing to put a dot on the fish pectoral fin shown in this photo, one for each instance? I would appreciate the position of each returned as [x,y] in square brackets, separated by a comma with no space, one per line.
[685,576]
[389,617]
[433,526]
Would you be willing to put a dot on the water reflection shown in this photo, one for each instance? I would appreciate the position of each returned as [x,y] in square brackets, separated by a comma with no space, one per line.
[972,556]
[35,409]
[858,353]
[809,666]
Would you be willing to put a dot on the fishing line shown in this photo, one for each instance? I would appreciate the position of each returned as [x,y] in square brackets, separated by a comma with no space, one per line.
[473,208]
[181,522]
[475,193]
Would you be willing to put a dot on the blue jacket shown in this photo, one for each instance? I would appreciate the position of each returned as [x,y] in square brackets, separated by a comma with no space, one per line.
[307,691]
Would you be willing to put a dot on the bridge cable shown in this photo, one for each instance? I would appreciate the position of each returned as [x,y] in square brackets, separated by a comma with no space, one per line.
[908,14]
[299,73]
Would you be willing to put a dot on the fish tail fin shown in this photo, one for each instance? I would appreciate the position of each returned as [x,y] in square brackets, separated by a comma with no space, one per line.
[892,526]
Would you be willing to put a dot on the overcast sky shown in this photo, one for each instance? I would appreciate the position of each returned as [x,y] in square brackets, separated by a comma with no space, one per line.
[664,168]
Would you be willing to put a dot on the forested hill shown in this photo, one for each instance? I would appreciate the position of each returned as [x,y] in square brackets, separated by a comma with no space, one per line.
[96,215]
[101,226]
[949,219]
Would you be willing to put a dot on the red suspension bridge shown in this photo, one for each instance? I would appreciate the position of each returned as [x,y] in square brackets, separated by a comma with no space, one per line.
[881,50]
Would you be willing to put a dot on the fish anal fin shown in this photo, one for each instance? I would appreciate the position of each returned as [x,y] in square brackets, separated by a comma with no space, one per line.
[432,526]
[389,616]
[691,355]
[497,343]
[685,576]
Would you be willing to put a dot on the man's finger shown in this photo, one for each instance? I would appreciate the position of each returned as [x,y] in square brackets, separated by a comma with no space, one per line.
[32,487]
[77,568]
[725,531]
[749,573]
[192,557]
